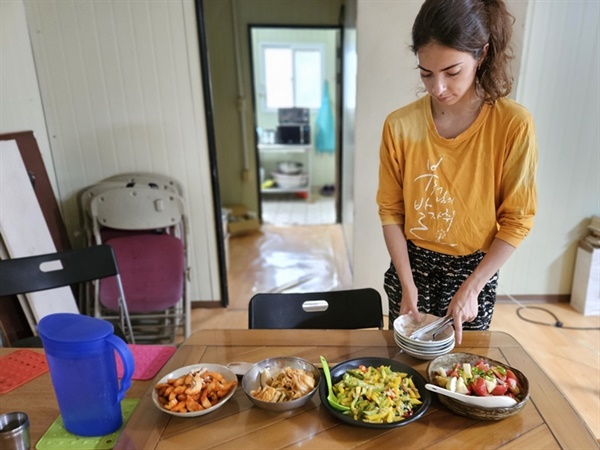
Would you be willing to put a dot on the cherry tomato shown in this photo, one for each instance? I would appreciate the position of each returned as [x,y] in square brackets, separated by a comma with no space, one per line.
[482,365]
[478,387]
[453,373]
[500,389]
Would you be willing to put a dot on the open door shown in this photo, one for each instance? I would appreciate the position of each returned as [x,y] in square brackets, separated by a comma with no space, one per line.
[295,73]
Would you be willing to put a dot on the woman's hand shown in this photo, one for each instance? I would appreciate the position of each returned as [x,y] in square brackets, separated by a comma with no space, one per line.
[408,305]
[463,308]
[397,247]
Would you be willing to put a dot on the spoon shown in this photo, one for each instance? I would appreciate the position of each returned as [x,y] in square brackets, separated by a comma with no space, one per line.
[331,397]
[492,401]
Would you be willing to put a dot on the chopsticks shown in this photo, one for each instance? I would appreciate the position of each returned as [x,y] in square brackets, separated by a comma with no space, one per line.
[434,327]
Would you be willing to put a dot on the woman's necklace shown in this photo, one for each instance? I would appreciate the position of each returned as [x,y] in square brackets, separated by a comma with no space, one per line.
[451,123]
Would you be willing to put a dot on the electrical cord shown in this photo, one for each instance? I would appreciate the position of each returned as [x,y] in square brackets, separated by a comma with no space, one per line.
[557,323]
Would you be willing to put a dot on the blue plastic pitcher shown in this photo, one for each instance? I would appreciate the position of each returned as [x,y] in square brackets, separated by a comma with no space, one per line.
[81,356]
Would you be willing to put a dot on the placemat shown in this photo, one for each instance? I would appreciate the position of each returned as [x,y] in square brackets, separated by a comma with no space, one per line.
[149,359]
[57,437]
[19,367]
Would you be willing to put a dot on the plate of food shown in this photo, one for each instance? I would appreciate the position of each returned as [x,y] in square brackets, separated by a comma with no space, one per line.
[281,383]
[194,390]
[475,375]
[406,400]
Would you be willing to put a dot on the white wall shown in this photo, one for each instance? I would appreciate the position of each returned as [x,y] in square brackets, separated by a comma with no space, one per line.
[386,80]
[121,91]
[20,101]
[349,73]
[558,82]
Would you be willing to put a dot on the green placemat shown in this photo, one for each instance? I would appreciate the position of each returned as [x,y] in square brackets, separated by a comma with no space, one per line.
[57,437]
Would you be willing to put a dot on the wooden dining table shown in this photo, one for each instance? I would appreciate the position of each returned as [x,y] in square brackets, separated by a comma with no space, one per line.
[548,420]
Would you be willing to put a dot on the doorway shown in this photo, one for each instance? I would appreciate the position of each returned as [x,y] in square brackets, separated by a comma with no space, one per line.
[225,50]
[295,73]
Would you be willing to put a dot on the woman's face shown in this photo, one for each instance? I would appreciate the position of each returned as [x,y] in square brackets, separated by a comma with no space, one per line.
[447,74]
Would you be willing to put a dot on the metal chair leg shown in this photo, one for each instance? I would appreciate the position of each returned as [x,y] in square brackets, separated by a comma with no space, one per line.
[123,311]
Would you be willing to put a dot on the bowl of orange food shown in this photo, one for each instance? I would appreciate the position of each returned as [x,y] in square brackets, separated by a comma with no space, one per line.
[281,383]
[195,390]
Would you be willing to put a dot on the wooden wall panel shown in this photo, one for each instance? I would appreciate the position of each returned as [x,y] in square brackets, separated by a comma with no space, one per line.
[121,89]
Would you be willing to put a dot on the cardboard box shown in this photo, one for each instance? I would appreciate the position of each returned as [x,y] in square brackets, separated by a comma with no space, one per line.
[585,293]
[241,221]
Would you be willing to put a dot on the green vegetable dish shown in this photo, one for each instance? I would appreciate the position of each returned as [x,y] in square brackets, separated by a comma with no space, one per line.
[377,394]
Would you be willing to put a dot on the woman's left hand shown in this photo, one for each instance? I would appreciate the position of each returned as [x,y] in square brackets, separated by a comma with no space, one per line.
[463,308]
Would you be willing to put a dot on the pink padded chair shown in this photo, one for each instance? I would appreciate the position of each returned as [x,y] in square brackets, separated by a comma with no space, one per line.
[147,229]
[152,268]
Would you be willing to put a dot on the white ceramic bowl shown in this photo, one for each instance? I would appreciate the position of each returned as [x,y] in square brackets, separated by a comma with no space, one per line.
[406,324]
[285,181]
[289,167]
[419,345]
[428,355]
[227,374]
[448,336]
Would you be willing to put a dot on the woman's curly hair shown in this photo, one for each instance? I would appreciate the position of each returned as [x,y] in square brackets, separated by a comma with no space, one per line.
[467,26]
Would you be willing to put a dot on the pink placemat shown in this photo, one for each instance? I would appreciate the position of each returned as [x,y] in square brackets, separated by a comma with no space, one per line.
[149,359]
[19,367]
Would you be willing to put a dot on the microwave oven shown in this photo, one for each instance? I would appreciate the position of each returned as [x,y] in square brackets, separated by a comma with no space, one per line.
[293,134]
[293,116]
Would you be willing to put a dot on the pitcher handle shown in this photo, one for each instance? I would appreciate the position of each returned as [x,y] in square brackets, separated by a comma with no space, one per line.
[128,364]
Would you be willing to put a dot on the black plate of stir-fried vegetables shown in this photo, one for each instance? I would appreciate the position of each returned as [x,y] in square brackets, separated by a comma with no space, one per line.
[380,392]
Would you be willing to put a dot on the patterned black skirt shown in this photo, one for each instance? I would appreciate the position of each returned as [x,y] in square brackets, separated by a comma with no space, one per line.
[438,277]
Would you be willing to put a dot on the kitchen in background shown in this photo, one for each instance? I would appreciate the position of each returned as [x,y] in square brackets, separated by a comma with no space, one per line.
[295,108]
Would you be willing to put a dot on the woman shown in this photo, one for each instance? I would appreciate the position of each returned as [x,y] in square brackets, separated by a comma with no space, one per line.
[457,188]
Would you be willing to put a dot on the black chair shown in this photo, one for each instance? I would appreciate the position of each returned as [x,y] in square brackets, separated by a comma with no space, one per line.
[349,309]
[41,272]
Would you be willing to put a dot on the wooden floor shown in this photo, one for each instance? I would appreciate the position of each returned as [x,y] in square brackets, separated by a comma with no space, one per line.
[313,258]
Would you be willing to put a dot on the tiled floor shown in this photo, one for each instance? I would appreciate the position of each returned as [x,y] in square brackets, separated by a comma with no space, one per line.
[285,209]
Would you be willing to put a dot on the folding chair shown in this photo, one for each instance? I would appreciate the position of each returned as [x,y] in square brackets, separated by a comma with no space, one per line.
[349,309]
[86,195]
[69,267]
[148,230]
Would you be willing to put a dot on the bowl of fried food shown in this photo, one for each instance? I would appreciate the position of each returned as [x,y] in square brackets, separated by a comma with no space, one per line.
[281,383]
[194,390]
[476,375]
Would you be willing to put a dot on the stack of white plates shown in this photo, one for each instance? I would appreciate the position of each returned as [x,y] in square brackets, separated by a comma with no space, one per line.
[424,347]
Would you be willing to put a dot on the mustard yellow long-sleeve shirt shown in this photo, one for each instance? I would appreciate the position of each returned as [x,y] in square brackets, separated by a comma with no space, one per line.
[454,196]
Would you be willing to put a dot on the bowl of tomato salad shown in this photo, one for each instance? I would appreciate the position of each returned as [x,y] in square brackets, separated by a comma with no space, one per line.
[471,374]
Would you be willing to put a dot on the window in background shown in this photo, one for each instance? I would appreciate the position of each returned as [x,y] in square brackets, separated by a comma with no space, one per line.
[293,76]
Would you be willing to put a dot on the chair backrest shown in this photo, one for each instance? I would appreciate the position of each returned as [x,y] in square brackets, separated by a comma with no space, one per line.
[85,199]
[88,194]
[151,179]
[65,268]
[52,270]
[137,209]
[348,309]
